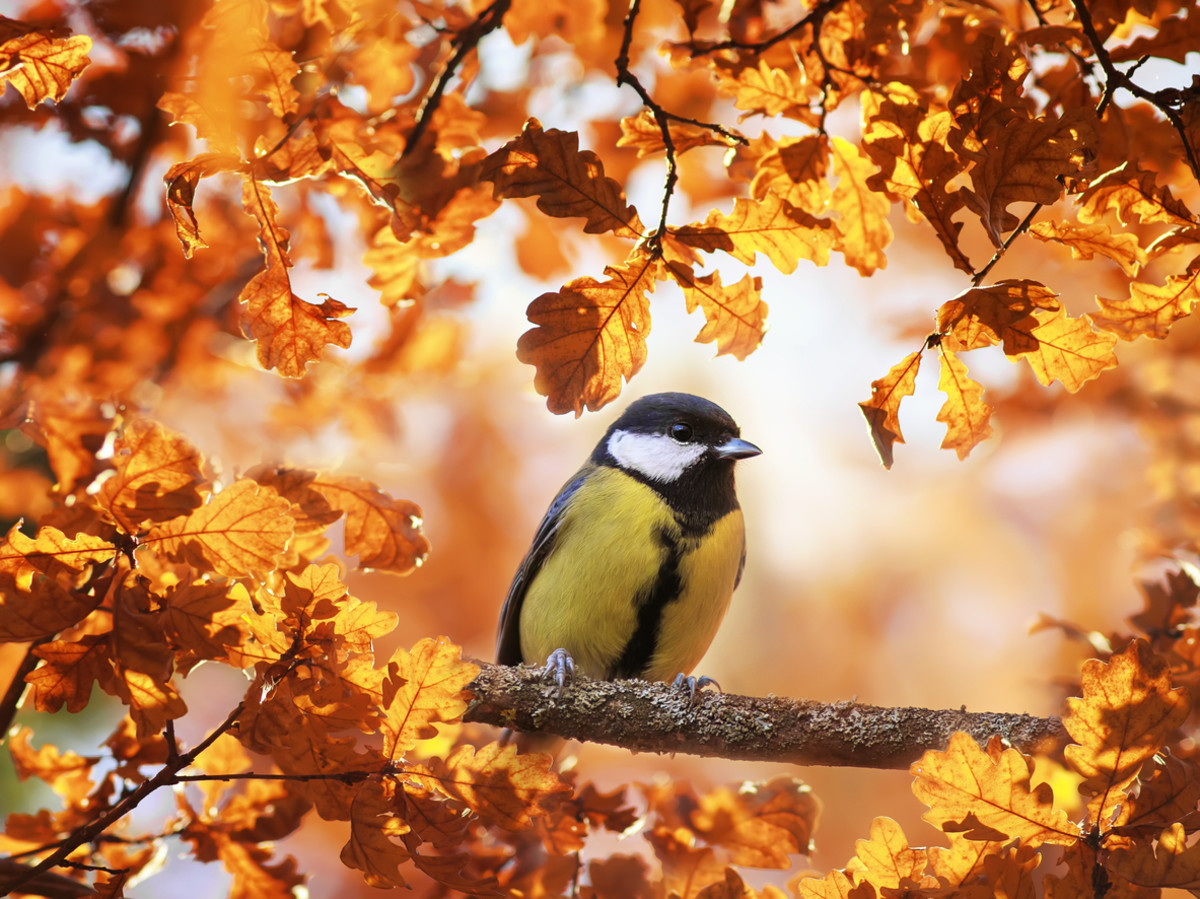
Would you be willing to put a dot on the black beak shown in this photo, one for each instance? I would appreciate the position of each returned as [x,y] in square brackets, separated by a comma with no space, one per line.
[736,448]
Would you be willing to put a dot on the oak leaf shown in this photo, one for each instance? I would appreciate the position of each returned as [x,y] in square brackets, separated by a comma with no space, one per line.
[496,783]
[567,182]
[988,792]
[67,773]
[760,824]
[1134,196]
[1067,349]
[795,168]
[887,862]
[240,531]
[642,131]
[1085,241]
[423,687]
[1151,309]
[997,313]
[158,476]
[38,63]
[834,885]
[152,702]
[590,335]
[1169,793]
[1173,38]
[181,181]
[882,410]
[772,226]
[385,533]
[965,414]
[1172,863]
[1123,719]
[374,828]
[862,227]
[770,91]
[734,316]
[38,580]
[203,619]
[68,670]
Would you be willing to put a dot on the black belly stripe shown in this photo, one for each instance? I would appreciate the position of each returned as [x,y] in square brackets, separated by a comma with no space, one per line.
[640,649]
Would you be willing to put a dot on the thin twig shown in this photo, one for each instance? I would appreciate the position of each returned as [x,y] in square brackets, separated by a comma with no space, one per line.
[816,14]
[978,277]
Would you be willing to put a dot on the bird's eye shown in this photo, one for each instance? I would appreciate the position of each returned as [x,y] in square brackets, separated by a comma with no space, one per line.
[681,432]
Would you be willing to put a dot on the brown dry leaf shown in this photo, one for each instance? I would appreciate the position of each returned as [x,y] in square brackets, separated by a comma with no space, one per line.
[502,787]
[373,825]
[862,227]
[590,335]
[642,131]
[1085,241]
[887,862]
[240,531]
[385,533]
[67,773]
[998,313]
[987,795]
[566,181]
[203,619]
[966,416]
[423,687]
[1173,38]
[290,332]
[734,316]
[760,824]
[39,64]
[68,671]
[158,476]
[38,580]
[1068,349]
[1170,793]
[882,410]
[1151,309]
[684,864]
[151,702]
[1171,864]
[834,885]
[1123,719]
[773,227]
[181,181]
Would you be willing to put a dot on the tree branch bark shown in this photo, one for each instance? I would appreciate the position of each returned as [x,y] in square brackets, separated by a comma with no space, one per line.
[655,717]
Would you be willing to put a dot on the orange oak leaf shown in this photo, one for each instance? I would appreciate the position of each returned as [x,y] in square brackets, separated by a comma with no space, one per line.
[795,168]
[770,91]
[862,226]
[1022,161]
[1127,710]
[965,414]
[374,828]
[181,181]
[158,476]
[968,789]
[567,182]
[997,313]
[385,533]
[1172,863]
[916,171]
[68,671]
[151,702]
[590,335]
[72,433]
[423,687]
[1173,38]
[1135,197]
[834,885]
[40,64]
[734,316]
[67,773]
[1085,241]
[882,410]
[1068,349]
[253,874]
[203,619]
[1151,309]
[643,132]
[290,332]
[772,226]
[887,862]
[496,783]
[759,824]
[38,580]
[960,865]
[1169,793]
[240,531]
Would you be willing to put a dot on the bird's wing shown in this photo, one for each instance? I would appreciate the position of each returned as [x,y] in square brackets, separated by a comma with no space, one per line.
[508,642]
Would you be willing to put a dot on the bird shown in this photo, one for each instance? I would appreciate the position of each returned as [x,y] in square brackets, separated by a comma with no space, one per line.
[636,560]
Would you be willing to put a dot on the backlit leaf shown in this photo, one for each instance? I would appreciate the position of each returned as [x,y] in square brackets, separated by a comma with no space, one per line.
[567,182]
[423,687]
[68,671]
[385,533]
[1134,196]
[1151,309]
[735,316]
[760,824]
[862,226]
[1068,349]
[1085,241]
[882,410]
[39,64]
[998,313]
[373,828]
[1172,863]
[642,132]
[157,476]
[969,789]
[181,181]
[887,862]
[965,414]
[773,227]
[38,577]
[590,335]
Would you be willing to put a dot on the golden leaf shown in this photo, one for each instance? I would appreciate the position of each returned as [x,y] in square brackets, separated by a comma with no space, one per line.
[734,316]
[373,827]
[965,414]
[157,476]
[151,702]
[1132,194]
[590,335]
[796,169]
[773,227]
[759,824]
[882,410]
[1127,710]
[39,64]
[385,533]
[968,789]
[1085,241]
[862,227]
[68,671]
[834,885]
[998,313]
[423,687]
[766,90]
[887,862]
[181,181]
[38,580]
[1068,349]
[567,182]
[1151,309]
[240,531]
[1173,863]
[642,131]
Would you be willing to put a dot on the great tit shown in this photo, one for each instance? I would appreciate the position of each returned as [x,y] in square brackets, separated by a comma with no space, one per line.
[635,562]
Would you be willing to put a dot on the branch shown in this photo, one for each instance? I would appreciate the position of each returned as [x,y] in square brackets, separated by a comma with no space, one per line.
[655,717]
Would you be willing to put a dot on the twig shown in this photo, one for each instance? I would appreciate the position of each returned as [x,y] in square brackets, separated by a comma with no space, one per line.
[656,717]
[814,15]
[978,277]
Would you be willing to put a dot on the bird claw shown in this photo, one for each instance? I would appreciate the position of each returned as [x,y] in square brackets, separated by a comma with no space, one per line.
[561,665]
[694,684]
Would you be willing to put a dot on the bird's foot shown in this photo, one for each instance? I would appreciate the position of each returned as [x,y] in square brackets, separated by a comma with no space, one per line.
[694,684]
[561,665]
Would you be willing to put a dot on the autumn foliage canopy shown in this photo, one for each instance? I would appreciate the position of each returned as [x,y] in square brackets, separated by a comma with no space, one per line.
[260,142]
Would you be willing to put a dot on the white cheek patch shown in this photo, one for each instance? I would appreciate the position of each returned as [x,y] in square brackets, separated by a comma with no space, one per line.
[656,456]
